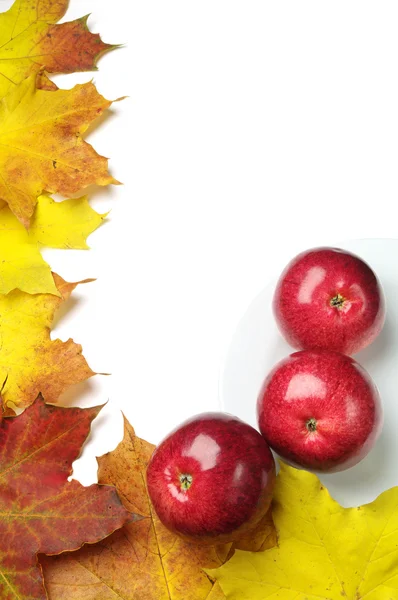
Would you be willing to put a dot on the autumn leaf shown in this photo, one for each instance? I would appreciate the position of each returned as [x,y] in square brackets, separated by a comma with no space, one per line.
[325,551]
[30,362]
[30,40]
[41,148]
[64,224]
[151,562]
[142,561]
[263,537]
[40,511]
[54,224]
[216,593]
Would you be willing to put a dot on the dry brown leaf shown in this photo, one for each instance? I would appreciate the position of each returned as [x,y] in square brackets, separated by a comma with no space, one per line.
[262,538]
[142,561]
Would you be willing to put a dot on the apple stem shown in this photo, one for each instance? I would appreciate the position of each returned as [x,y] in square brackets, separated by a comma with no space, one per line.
[337,301]
[186,481]
[311,424]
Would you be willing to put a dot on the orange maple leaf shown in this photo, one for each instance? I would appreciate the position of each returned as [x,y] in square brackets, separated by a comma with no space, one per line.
[142,561]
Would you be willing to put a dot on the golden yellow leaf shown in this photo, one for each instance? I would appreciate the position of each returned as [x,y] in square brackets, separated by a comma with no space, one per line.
[143,561]
[41,148]
[64,224]
[54,224]
[216,593]
[23,13]
[30,362]
[30,40]
[325,551]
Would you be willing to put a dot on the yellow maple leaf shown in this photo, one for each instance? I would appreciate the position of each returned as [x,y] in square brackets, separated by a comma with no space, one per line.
[325,551]
[142,561]
[41,148]
[30,362]
[30,40]
[54,224]
[64,224]
[216,593]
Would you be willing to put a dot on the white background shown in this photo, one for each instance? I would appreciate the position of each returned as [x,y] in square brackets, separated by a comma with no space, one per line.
[252,130]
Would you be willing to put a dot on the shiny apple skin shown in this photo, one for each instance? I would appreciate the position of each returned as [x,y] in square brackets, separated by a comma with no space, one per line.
[307,287]
[328,389]
[233,477]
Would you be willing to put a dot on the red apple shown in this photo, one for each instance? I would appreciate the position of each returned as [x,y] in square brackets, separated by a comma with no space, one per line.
[211,479]
[320,410]
[329,298]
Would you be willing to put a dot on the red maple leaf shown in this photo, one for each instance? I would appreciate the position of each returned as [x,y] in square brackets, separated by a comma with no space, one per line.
[40,511]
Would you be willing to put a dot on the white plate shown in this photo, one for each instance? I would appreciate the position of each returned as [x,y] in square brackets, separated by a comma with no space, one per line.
[257,345]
